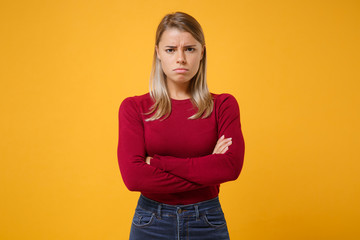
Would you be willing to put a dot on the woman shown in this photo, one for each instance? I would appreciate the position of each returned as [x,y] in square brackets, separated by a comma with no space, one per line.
[179,142]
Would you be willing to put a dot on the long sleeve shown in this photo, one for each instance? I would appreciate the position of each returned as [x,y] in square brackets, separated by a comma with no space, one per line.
[214,168]
[136,173]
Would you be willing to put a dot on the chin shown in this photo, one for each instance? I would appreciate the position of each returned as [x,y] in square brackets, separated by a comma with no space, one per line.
[181,79]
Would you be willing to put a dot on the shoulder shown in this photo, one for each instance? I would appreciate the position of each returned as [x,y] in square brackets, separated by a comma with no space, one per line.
[131,107]
[136,101]
[225,104]
[224,99]
[226,107]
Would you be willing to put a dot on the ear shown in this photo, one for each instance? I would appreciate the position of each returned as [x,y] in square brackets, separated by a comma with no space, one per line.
[202,52]
[157,52]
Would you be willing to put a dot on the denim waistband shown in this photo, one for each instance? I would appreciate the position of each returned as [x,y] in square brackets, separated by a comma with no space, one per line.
[195,209]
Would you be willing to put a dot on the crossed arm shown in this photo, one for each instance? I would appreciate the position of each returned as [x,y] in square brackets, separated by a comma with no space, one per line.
[222,145]
[166,174]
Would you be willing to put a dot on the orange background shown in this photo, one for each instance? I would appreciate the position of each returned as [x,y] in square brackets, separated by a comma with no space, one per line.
[67,65]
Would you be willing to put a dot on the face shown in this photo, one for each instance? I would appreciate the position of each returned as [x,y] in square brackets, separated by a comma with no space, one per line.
[180,54]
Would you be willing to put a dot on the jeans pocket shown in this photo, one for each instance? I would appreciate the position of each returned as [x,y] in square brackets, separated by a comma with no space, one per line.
[215,218]
[143,218]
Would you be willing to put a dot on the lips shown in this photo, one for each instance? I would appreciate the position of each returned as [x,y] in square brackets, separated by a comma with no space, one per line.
[181,70]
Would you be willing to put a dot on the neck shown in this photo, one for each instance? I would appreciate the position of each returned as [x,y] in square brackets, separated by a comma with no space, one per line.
[179,91]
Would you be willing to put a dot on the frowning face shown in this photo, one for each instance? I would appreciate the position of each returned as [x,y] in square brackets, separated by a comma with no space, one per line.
[180,54]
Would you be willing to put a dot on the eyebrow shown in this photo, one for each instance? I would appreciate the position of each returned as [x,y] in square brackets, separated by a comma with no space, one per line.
[184,46]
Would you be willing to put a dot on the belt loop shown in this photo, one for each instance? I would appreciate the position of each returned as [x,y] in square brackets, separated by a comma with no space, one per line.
[197,212]
[159,212]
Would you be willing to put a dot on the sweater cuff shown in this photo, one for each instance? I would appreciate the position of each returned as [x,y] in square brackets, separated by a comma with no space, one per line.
[156,162]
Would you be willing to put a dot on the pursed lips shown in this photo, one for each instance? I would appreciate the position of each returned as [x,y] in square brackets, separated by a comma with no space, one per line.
[181,70]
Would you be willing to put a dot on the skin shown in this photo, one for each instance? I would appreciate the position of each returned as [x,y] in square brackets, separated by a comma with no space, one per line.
[178,49]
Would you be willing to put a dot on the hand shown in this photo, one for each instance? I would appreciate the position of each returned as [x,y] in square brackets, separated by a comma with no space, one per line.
[222,145]
[147,160]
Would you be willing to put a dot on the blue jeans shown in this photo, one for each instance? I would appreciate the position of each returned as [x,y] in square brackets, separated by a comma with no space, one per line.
[200,221]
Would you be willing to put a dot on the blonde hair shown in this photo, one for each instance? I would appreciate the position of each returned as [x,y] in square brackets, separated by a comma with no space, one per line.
[200,95]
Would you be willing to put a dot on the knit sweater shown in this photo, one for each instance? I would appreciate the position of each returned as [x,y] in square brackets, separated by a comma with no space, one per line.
[183,169]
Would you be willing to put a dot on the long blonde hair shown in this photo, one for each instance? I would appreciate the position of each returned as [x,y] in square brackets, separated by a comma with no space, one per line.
[200,94]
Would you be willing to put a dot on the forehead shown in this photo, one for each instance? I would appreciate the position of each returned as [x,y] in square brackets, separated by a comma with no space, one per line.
[175,37]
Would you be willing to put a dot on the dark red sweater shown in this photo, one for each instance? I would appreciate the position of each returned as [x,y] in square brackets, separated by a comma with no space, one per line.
[183,169]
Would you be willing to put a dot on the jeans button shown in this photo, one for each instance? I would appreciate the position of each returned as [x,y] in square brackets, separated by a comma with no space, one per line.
[179,211]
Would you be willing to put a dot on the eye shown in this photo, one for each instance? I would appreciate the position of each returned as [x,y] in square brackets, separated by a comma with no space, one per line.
[190,49]
[170,50]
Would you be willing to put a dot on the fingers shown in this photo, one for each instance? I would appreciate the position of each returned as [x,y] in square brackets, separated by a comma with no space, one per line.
[222,145]
[218,144]
[148,159]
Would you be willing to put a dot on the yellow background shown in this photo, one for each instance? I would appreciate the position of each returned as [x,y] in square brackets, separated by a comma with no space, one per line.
[292,65]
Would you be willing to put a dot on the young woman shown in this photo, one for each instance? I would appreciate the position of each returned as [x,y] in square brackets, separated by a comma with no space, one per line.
[179,142]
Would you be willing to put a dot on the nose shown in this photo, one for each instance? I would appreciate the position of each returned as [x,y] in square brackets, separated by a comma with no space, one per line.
[181,57]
